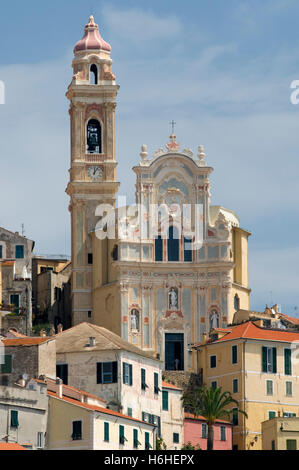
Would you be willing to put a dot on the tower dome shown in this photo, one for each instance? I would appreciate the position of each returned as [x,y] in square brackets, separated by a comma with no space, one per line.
[92,39]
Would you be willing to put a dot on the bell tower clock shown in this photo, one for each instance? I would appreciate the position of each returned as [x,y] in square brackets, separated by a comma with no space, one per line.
[92,95]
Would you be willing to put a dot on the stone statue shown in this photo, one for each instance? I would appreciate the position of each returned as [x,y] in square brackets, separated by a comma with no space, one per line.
[173,299]
[214,320]
[134,319]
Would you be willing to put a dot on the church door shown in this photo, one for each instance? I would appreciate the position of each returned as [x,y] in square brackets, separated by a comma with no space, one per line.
[174,351]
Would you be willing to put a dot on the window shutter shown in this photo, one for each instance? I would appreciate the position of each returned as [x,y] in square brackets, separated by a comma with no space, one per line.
[274,361]
[143,379]
[159,426]
[14,422]
[114,372]
[131,374]
[99,373]
[287,362]
[6,368]
[124,372]
[106,432]
[165,401]
[264,359]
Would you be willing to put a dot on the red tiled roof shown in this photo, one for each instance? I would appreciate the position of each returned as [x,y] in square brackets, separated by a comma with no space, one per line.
[201,418]
[69,387]
[11,446]
[251,331]
[291,319]
[26,341]
[168,385]
[95,408]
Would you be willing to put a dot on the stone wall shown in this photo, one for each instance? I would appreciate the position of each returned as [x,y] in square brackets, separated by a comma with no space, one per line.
[182,379]
[19,322]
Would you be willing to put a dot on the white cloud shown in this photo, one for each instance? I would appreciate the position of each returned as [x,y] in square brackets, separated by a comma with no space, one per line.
[137,25]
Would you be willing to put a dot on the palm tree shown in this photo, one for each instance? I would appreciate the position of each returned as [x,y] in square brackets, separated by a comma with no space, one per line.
[212,404]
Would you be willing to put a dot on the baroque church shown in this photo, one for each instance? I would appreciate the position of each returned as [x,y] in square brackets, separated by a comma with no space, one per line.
[163,278]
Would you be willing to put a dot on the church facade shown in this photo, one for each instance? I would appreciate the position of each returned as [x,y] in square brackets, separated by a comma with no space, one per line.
[165,272]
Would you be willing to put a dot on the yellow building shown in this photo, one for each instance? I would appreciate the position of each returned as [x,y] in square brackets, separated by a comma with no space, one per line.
[80,421]
[280,434]
[258,365]
[163,279]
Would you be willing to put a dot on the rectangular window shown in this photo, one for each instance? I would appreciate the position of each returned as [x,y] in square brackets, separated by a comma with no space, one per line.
[289,389]
[89,258]
[235,417]
[286,414]
[272,445]
[122,438]
[143,383]
[135,438]
[6,368]
[130,412]
[62,372]
[106,432]
[176,438]
[127,374]
[158,249]
[77,430]
[287,362]
[164,401]
[1,251]
[269,363]
[204,431]
[15,301]
[147,441]
[271,414]
[291,444]
[14,419]
[19,251]
[269,386]
[156,383]
[212,362]
[40,440]
[187,249]
[235,386]
[223,433]
[214,385]
[106,372]
[234,354]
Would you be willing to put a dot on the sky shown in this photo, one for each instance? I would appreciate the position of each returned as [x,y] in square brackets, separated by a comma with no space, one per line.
[221,69]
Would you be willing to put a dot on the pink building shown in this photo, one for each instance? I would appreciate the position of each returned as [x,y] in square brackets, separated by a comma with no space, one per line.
[196,432]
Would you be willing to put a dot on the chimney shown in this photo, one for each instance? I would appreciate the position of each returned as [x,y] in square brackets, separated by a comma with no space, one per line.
[59,328]
[42,333]
[92,341]
[59,387]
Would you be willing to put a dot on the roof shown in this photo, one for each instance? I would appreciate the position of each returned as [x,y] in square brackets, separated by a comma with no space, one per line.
[201,418]
[168,385]
[11,446]
[251,331]
[66,388]
[92,39]
[291,319]
[26,341]
[76,339]
[95,408]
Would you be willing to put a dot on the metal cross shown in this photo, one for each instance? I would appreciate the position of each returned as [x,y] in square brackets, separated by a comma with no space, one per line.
[172,124]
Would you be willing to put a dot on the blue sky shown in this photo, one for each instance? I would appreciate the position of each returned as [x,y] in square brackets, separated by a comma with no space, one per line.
[221,69]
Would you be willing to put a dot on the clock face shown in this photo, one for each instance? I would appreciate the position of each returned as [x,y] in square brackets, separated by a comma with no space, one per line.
[94,173]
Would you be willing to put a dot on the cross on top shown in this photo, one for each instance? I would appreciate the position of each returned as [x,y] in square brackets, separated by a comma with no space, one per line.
[172,123]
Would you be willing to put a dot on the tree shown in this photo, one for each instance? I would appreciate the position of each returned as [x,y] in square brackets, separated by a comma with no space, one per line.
[189,446]
[212,404]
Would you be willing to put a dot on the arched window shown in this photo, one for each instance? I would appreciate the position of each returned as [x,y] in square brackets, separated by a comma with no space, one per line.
[158,248]
[93,75]
[236,302]
[94,137]
[173,244]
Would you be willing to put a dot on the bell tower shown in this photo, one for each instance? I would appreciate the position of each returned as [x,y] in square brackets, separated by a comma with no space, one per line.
[92,95]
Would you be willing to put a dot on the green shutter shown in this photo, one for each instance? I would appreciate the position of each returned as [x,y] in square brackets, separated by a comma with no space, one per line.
[264,359]
[291,444]
[130,374]
[272,414]
[14,422]
[121,434]
[147,441]
[135,438]
[106,432]
[287,362]
[6,368]
[274,361]
[165,400]
[143,379]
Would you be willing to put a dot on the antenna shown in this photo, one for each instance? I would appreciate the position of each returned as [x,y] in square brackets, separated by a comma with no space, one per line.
[23,230]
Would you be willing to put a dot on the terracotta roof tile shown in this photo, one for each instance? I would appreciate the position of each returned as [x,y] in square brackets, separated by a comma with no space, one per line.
[201,418]
[168,385]
[11,446]
[26,341]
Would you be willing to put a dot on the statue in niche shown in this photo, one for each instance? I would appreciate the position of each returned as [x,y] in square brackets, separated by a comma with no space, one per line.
[214,320]
[173,299]
[135,319]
